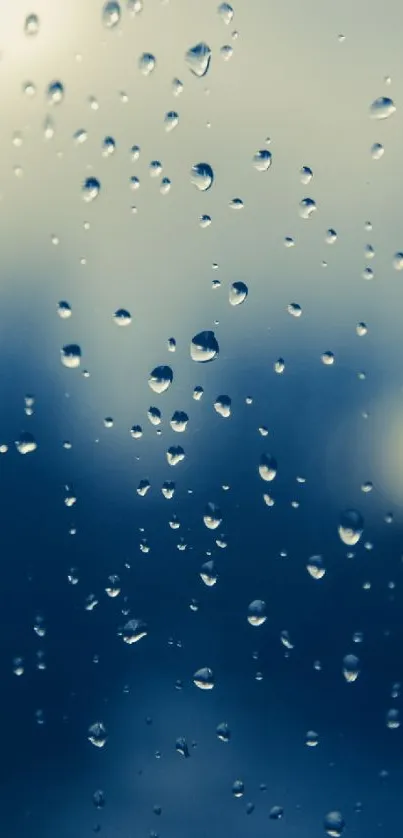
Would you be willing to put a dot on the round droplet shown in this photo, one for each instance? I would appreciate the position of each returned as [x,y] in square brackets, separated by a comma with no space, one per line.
[393,719]
[111,14]
[307,208]
[238,293]
[315,567]
[160,379]
[171,120]
[331,236]
[205,221]
[306,175]
[99,799]
[71,356]
[97,734]
[26,443]
[133,631]
[204,347]
[327,358]
[108,147]
[122,317]
[204,678]
[276,813]
[226,52]
[155,168]
[177,87]
[398,261]
[262,160]
[29,88]
[147,63]
[377,151]
[202,176]
[154,415]
[136,431]
[238,788]
[311,739]
[222,406]
[212,517]
[361,329]
[31,25]
[175,455]
[382,108]
[267,467]
[334,824]
[223,732]
[351,668]
[55,92]
[91,189]
[350,528]
[257,612]
[165,186]
[198,59]
[294,309]
[226,13]
[236,203]
[64,309]
[208,574]
[179,421]
[368,273]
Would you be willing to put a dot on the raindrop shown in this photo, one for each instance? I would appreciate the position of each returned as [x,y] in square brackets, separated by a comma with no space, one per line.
[181,746]
[361,329]
[306,175]
[111,14]
[226,13]
[334,824]
[237,788]
[202,176]
[286,640]
[311,739]
[377,151]
[165,186]
[198,59]
[97,734]
[382,108]
[331,236]
[91,188]
[133,631]
[327,358]
[238,293]
[222,406]
[29,88]
[160,379]
[80,136]
[276,813]
[155,168]
[197,393]
[108,147]
[31,25]
[205,221]
[71,356]
[179,421]
[171,120]
[98,799]
[204,348]
[147,63]
[26,443]
[122,317]
[154,415]
[223,732]
[136,431]
[236,203]
[204,678]
[226,52]
[257,612]
[267,467]
[262,160]
[398,261]
[393,719]
[208,574]
[350,528]
[368,273]
[315,567]
[177,87]
[212,517]
[175,455]
[294,309]
[55,92]
[351,668]
[307,208]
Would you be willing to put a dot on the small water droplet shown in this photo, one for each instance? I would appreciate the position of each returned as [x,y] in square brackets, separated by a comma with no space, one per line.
[122,317]
[198,59]
[171,120]
[257,612]
[377,151]
[90,189]
[311,739]
[350,527]
[315,567]
[351,668]
[307,208]
[398,261]
[55,92]
[111,14]
[204,678]
[226,52]
[147,63]
[334,824]
[31,25]
[382,108]
[262,160]
[26,443]
[223,732]
[226,13]
[238,293]
[237,788]
[108,147]
[97,734]
[71,356]
[222,406]
[306,175]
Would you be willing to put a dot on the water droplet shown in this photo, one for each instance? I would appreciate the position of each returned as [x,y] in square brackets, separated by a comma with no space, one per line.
[361,329]
[179,421]
[262,160]
[267,467]
[26,443]
[99,799]
[205,221]
[208,574]
[31,25]
[165,186]
[315,567]
[198,59]
[175,455]
[350,528]
[171,120]
[111,14]
[368,273]
[393,719]
[286,639]
[204,678]
[306,175]
[160,379]
[155,168]
[91,188]
[64,309]
[382,108]
[377,151]
[212,517]
[294,309]
[108,147]
[55,92]
[222,406]
[226,13]
[135,6]
[18,666]
[71,356]
[237,788]
[307,208]
[257,612]
[136,432]
[29,88]
[334,824]
[238,293]
[122,317]
[351,668]
[311,739]
[133,631]
[331,236]
[226,52]
[147,63]
[97,734]
[181,746]
[327,358]
[154,415]
[202,176]
[398,261]
[276,813]
[223,732]
[203,348]
[236,203]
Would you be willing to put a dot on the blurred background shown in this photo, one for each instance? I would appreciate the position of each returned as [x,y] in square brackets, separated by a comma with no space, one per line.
[112,244]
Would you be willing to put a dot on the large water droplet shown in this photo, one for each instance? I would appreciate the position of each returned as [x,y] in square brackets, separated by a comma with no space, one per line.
[315,567]
[257,612]
[262,160]
[204,678]
[122,317]
[204,347]
[160,379]
[351,668]
[91,188]
[212,517]
[307,208]
[334,824]
[382,108]
[71,356]
[202,176]
[208,574]
[350,528]
[198,59]
[111,14]
[238,293]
